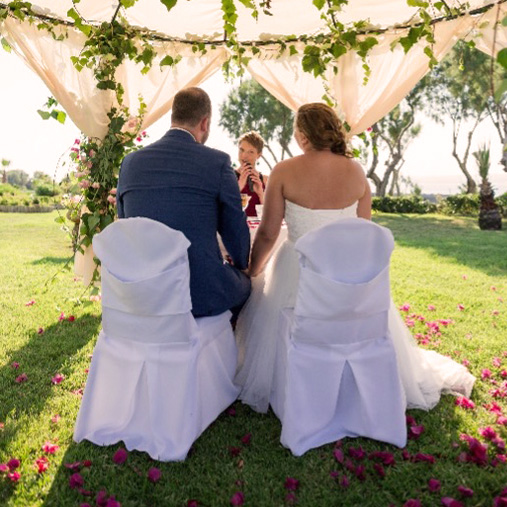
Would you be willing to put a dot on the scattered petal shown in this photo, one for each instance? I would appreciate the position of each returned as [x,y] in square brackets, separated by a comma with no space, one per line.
[50,448]
[466,492]
[13,463]
[57,379]
[40,330]
[461,307]
[245,440]
[55,419]
[291,484]
[120,456]
[450,502]
[154,474]
[22,378]
[412,503]
[14,476]
[238,498]
[42,464]
[76,481]
[15,365]
[434,485]
[464,402]
[431,308]
[30,303]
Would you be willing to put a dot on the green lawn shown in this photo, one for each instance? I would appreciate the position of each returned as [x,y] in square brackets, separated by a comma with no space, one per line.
[439,261]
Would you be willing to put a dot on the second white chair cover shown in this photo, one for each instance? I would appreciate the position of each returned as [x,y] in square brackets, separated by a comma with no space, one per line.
[158,376]
[336,374]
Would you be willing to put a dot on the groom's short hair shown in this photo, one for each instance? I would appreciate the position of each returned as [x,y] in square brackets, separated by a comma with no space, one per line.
[190,106]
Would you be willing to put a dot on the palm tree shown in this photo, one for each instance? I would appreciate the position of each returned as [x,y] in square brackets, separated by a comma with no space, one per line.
[489,213]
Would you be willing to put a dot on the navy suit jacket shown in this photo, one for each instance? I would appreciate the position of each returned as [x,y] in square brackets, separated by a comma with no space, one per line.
[192,188]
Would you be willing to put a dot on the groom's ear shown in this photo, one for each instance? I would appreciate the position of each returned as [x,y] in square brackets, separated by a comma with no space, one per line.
[205,124]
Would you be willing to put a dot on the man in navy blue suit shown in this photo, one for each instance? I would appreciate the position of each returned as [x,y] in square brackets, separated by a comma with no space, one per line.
[192,188]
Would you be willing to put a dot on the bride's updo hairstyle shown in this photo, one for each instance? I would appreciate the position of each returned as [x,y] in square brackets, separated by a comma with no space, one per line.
[322,127]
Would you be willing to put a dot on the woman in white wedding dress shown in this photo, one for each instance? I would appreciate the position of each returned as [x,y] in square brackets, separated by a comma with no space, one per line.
[322,185]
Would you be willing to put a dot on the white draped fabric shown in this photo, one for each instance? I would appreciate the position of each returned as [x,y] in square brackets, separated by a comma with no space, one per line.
[393,73]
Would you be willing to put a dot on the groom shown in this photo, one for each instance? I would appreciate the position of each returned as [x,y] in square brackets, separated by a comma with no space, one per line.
[192,188]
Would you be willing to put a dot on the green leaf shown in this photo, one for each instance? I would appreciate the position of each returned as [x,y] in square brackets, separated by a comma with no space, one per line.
[501,58]
[44,114]
[167,60]
[504,21]
[61,116]
[292,50]
[72,13]
[6,45]
[438,5]
[418,3]
[248,3]
[128,3]
[319,4]
[499,92]
[60,220]
[169,4]
[338,50]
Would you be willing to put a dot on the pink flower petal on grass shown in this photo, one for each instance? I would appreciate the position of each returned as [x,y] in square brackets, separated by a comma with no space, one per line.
[412,503]
[3,468]
[486,373]
[192,503]
[447,501]
[76,481]
[50,448]
[40,330]
[42,464]
[14,476]
[13,463]
[291,484]
[120,456]
[21,378]
[30,303]
[488,433]
[57,379]
[434,485]
[404,307]
[154,474]
[461,307]
[238,498]
[15,365]
[55,419]
[245,440]
[466,492]
[464,402]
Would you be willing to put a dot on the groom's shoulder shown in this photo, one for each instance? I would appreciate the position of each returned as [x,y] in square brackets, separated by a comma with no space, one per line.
[213,153]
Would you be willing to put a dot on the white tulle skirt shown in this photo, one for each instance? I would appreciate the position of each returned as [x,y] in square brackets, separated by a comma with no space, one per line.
[425,374]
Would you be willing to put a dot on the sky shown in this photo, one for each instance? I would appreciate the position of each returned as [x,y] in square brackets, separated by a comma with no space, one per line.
[33,144]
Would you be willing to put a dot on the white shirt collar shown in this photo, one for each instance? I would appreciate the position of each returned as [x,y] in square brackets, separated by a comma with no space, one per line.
[184,130]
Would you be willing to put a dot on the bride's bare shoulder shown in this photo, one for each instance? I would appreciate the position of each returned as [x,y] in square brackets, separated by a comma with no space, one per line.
[286,165]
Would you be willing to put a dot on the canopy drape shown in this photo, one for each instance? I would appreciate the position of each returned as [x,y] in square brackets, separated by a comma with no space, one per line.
[393,73]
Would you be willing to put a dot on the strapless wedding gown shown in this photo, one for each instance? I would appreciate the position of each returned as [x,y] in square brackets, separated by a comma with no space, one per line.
[425,374]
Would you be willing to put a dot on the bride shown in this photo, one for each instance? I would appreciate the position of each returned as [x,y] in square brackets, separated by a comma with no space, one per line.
[322,185]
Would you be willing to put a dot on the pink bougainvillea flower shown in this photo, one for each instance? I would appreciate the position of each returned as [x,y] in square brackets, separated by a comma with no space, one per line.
[357,453]
[431,308]
[41,464]
[61,317]
[466,492]
[15,365]
[246,439]
[464,402]
[492,287]
[87,463]
[344,481]
[120,456]
[338,454]
[409,322]
[412,502]
[101,498]
[461,307]
[30,303]
[291,499]
[499,443]
[493,407]
[387,458]
[434,485]
[84,505]
[404,307]
[13,463]
[154,475]
[74,467]
[495,312]
[21,378]
[238,498]
[465,362]
[428,458]
[14,476]
[76,481]
[3,468]
[488,433]
[379,469]
[291,484]
[464,277]
[410,420]
[71,318]
[486,373]
[234,451]
[503,373]
[231,411]
[192,503]
[496,362]
[40,330]
[360,472]
[113,191]
[405,455]
[57,379]
[447,501]
[414,432]
[501,419]
[55,419]
[112,502]
[50,448]
[477,453]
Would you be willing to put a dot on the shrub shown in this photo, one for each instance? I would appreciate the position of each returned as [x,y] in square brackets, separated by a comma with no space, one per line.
[35,200]
[403,204]
[460,204]
[4,202]
[501,200]
[47,189]
[27,202]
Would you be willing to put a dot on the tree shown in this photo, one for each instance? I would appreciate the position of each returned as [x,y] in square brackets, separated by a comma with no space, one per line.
[5,164]
[490,217]
[251,107]
[394,132]
[18,178]
[460,88]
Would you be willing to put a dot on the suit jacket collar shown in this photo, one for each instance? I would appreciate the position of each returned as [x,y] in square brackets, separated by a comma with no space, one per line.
[180,135]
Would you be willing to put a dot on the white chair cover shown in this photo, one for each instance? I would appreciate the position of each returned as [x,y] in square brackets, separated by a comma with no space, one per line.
[336,373]
[158,376]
